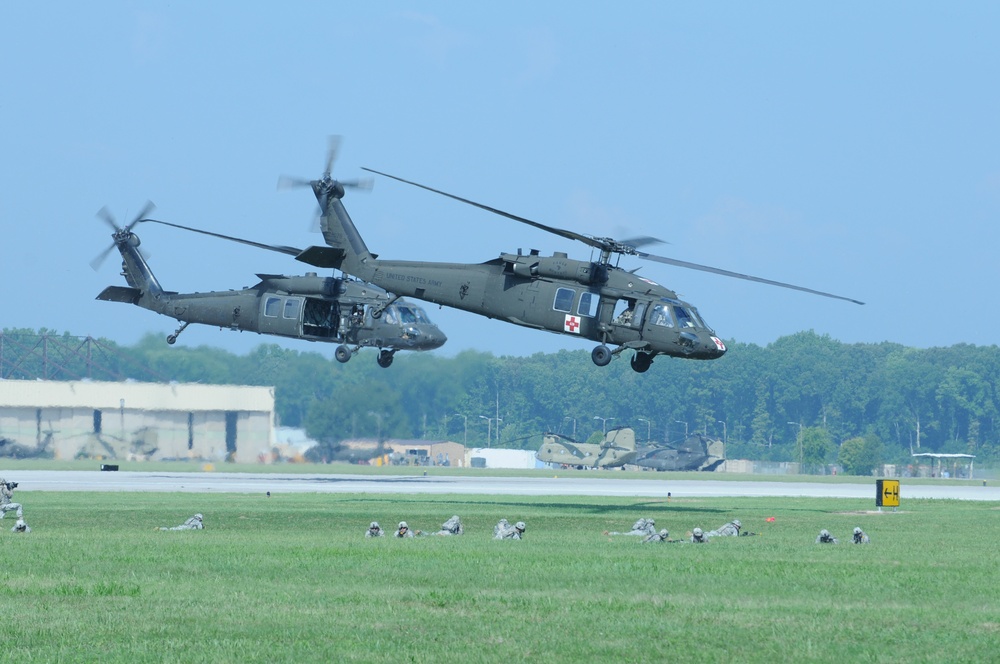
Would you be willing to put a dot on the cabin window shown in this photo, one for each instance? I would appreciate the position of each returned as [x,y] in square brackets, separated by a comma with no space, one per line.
[292,308]
[684,318]
[588,305]
[564,300]
[272,306]
[661,316]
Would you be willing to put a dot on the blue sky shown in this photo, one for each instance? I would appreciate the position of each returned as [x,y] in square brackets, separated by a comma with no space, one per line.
[850,148]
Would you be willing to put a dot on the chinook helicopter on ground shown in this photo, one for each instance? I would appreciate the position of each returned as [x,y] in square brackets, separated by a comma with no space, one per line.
[696,452]
[616,450]
[327,309]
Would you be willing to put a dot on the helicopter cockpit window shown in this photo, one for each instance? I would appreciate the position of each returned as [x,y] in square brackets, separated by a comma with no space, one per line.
[684,318]
[564,300]
[292,308]
[420,315]
[406,315]
[701,321]
[390,316]
[661,316]
[588,305]
[272,306]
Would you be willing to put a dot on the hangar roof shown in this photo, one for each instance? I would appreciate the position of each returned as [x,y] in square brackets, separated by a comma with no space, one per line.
[187,397]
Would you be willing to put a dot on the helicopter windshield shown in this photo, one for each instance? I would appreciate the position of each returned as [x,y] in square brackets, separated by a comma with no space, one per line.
[684,317]
[399,314]
[701,321]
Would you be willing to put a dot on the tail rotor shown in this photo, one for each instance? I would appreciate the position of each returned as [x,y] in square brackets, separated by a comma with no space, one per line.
[119,233]
[326,187]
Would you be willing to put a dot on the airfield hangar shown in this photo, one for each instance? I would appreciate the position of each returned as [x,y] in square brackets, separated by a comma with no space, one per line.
[130,420]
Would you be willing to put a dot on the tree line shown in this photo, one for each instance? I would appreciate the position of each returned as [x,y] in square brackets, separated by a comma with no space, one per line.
[804,397]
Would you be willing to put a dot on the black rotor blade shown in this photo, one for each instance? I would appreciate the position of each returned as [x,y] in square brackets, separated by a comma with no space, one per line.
[333,146]
[142,215]
[101,257]
[281,249]
[642,241]
[289,182]
[109,218]
[737,275]
[570,235]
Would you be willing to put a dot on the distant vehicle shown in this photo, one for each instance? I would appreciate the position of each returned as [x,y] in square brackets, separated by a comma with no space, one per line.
[616,450]
[697,452]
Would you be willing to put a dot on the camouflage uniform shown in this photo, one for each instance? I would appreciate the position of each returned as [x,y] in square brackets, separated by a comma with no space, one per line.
[509,532]
[6,505]
[403,530]
[194,523]
[452,526]
[825,537]
[698,536]
[374,530]
[860,537]
[662,536]
[731,529]
[642,527]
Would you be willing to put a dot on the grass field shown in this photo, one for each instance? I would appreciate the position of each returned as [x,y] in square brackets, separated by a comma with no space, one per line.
[292,579]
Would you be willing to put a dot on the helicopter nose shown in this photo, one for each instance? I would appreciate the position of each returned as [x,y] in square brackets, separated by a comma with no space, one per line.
[719,347]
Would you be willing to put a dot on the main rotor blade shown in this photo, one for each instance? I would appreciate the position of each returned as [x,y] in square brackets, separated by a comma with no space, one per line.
[569,235]
[281,249]
[737,275]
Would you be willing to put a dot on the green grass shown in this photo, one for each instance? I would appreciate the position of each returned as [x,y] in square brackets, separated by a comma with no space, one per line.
[292,579]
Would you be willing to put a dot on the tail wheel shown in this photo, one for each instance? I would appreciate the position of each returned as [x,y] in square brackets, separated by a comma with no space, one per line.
[601,356]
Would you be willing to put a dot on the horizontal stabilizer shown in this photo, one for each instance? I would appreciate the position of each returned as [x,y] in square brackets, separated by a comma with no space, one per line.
[120,294]
[321,256]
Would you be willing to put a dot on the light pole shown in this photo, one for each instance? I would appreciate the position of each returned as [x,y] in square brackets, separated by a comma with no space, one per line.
[649,428]
[574,425]
[725,435]
[685,427]
[378,419]
[604,423]
[489,428]
[799,439]
[465,440]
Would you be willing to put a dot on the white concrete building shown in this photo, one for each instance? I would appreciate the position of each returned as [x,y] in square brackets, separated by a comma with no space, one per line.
[128,420]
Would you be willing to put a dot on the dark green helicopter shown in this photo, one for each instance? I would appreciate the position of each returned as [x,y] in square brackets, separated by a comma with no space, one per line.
[310,307]
[596,299]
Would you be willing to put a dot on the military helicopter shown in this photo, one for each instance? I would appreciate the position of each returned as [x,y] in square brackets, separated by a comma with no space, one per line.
[696,452]
[616,450]
[310,307]
[594,299]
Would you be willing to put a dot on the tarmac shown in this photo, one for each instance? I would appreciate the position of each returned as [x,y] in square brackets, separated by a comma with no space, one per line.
[223,482]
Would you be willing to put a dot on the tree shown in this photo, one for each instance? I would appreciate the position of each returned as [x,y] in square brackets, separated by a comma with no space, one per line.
[861,456]
[817,449]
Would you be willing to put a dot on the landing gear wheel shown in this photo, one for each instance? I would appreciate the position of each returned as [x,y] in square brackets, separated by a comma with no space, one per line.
[641,362]
[601,356]
[385,358]
[376,313]
[171,339]
[342,354]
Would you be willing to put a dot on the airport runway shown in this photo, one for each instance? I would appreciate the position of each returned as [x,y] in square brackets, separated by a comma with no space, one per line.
[222,482]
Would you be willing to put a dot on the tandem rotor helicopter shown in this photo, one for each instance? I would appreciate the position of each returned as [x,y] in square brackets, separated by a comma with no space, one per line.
[595,299]
[348,312]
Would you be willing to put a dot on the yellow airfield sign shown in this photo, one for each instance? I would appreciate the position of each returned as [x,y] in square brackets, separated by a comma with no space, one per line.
[887,493]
